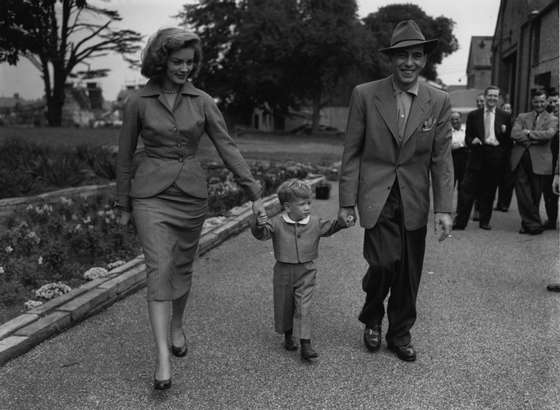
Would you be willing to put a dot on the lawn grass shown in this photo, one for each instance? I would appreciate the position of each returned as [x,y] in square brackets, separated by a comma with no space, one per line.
[319,149]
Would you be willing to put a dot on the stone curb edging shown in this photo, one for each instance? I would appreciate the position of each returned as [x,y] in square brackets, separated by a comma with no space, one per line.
[22,333]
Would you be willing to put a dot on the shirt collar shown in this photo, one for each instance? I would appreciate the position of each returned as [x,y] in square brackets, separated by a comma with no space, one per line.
[412,90]
[289,220]
[490,110]
[153,87]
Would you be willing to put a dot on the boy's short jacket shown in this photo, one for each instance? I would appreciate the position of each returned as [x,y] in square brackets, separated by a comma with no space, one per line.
[295,242]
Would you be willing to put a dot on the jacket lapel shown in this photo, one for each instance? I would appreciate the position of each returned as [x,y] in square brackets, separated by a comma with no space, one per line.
[417,112]
[386,104]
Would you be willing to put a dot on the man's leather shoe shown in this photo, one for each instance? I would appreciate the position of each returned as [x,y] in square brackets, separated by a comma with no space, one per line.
[404,352]
[549,225]
[525,231]
[486,227]
[457,227]
[553,287]
[372,338]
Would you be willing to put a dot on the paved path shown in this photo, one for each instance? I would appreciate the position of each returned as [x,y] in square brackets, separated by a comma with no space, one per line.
[487,336]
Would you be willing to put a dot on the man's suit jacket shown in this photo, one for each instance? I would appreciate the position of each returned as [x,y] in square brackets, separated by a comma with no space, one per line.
[475,129]
[374,156]
[538,141]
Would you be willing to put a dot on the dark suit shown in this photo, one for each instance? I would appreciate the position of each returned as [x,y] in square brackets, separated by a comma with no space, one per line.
[484,165]
[387,176]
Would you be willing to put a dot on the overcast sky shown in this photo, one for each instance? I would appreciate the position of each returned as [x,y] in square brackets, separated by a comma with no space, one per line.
[472,18]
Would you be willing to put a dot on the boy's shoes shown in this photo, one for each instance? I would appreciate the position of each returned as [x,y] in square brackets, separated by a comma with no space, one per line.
[372,338]
[403,352]
[307,352]
[289,343]
[553,287]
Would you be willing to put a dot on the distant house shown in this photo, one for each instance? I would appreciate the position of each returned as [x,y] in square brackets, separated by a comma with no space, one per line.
[479,64]
[464,101]
[16,110]
[525,49]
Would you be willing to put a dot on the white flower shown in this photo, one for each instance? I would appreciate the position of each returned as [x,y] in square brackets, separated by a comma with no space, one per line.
[65,201]
[74,217]
[52,290]
[95,273]
[78,227]
[107,221]
[100,213]
[9,249]
[34,237]
[2,271]
[30,304]
[40,260]
[86,220]
[29,207]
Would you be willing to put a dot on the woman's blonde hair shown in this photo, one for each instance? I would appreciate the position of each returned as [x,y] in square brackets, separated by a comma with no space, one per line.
[164,42]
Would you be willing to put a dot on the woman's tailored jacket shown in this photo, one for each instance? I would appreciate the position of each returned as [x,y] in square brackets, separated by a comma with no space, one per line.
[295,242]
[171,139]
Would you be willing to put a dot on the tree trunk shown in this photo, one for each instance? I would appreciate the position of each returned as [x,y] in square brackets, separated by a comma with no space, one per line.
[316,115]
[56,101]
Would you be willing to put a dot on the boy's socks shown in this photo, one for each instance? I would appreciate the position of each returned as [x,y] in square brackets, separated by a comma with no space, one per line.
[289,341]
[307,352]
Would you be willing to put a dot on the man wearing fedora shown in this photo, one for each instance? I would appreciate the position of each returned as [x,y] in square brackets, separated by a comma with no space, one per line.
[398,137]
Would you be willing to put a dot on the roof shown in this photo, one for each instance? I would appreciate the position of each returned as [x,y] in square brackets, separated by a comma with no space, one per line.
[480,52]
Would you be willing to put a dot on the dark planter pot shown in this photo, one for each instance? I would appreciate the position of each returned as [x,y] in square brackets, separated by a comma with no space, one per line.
[323,191]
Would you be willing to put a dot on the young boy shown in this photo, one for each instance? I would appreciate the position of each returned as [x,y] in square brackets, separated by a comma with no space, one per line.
[295,237]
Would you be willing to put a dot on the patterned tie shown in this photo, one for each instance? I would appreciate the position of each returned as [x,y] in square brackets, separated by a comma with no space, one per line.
[535,121]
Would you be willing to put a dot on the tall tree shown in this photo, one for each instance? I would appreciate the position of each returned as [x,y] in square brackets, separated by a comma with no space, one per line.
[58,35]
[382,22]
[284,52]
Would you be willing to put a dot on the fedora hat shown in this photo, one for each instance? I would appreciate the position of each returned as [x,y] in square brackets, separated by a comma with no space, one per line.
[407,34]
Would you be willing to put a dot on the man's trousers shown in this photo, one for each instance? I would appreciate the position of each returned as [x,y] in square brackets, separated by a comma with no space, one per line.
[395,257]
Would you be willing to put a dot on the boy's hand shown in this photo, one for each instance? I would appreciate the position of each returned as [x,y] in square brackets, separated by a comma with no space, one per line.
[347,216]
[262,218]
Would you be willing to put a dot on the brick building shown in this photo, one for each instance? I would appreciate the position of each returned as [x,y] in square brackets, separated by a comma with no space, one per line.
[479,65]
[525,49]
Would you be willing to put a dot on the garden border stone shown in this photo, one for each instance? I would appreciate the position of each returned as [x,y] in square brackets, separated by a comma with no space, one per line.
[22,333]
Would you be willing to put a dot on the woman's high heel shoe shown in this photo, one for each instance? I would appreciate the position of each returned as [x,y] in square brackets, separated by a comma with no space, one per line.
[161,384]
[180,351]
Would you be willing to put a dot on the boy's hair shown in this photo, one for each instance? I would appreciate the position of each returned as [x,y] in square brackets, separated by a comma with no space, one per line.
[293,189]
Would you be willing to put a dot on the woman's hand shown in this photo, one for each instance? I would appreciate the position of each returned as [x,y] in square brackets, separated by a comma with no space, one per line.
[258,207]
[124,218]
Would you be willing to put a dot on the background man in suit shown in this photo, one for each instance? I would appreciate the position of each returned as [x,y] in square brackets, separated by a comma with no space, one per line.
[507,177]
[550,198]
[459,148]
[531,159]
[398,134]
[488,137]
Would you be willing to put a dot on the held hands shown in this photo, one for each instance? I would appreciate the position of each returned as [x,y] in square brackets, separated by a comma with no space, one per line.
[347,216]
[556,184]
[259,212]
[442,225]
[476,141]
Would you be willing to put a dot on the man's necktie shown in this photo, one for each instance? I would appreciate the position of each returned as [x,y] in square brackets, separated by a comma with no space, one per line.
[487,125]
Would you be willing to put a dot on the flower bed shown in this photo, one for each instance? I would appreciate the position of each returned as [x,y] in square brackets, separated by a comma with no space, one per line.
[73,240]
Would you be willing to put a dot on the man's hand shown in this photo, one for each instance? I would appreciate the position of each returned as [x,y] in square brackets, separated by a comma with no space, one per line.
[443,224]
[347,216]
[124,218]
[476,141]
[555,184]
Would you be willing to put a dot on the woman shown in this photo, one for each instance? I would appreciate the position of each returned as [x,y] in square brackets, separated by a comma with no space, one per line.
[167,195]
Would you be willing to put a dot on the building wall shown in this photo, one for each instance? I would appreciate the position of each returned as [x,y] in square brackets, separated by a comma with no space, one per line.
[515,67]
